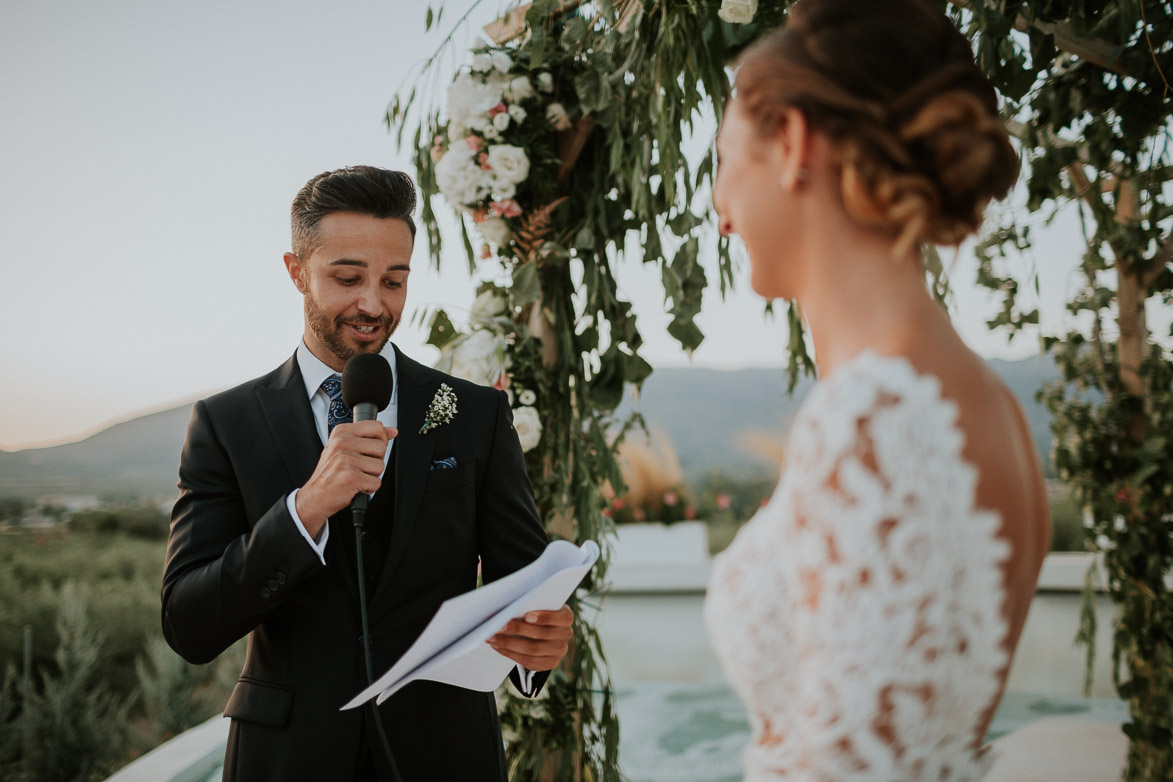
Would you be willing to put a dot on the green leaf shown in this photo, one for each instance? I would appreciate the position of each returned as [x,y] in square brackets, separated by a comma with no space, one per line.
[441,331]
[526,286]
[428,20]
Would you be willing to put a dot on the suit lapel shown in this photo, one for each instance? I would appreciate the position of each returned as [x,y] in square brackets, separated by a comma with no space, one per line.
[291,422]
[417,386]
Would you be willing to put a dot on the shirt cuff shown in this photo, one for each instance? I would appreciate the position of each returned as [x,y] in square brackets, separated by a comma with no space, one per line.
[526,677]
[319,546]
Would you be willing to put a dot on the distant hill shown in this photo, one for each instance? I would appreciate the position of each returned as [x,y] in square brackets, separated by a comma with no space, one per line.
[705,413]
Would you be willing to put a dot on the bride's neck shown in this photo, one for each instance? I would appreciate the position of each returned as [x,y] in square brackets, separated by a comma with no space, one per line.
[857,297]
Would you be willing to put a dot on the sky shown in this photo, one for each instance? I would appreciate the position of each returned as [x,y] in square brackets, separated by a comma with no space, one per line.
[149,153]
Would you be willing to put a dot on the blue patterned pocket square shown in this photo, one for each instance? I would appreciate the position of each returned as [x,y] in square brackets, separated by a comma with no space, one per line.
[444,464]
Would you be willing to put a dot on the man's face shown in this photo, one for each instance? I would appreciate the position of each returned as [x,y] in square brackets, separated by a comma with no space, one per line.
[354,283]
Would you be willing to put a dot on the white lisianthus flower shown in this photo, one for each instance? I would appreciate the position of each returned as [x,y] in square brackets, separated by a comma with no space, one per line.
[556,115]
[517,113]
[519,89]
[527,397]
[501,121]
[488,304]
[501,61]
[545,82]
[528,426]
[503,191]
[459,177]
[509,163]
[490,133]
[482,63]
[480,358]
[738,11]
[495,230]
[469,101]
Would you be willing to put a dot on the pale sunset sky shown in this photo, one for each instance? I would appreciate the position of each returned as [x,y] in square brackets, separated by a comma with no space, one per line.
[148,156]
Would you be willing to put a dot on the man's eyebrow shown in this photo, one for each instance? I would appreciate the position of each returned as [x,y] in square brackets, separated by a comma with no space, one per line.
[396,267]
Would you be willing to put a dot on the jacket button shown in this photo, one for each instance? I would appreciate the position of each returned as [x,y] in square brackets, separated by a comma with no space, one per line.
[273,585]
[280,576]
[265,593]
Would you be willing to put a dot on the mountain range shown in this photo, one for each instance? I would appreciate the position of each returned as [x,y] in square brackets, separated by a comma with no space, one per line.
[706,415]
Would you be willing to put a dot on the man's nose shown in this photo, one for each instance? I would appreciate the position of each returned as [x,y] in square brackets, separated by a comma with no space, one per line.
[369,302]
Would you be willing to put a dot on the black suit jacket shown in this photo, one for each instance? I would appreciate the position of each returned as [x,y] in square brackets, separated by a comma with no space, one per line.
[237,565]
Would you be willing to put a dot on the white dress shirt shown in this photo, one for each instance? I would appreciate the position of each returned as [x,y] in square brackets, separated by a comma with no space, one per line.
[314,371]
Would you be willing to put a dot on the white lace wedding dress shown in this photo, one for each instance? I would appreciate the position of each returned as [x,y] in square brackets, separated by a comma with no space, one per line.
[858,614]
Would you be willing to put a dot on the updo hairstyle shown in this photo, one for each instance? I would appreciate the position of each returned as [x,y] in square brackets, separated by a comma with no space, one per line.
[913,121]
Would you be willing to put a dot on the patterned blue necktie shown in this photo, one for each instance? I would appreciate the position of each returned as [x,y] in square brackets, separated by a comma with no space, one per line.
[338,412]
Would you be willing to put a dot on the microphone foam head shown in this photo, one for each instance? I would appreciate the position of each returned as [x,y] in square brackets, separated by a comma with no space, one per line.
[367,378]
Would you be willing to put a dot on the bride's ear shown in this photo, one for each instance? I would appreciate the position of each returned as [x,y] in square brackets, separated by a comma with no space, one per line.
[793,149]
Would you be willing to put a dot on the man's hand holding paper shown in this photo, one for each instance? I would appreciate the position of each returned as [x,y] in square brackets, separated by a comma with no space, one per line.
[538,641]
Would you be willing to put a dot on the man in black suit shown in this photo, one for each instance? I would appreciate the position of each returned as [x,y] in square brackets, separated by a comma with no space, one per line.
[262,542]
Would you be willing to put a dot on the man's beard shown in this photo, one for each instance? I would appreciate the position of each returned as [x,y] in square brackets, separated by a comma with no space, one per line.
[330,331]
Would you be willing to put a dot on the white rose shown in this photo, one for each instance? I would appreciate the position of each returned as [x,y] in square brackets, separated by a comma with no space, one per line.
[517,113]
[509,163]
[495,230]
[487,305]
[528,426]
[501,61]
[738,11]
[459,177]
[527,397]
[490,133]
[469,101]
[556,115]
[519,89]
[545,82]
[501,121]
[480,358]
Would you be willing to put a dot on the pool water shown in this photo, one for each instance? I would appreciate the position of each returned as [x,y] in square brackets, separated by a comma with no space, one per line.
[677,732]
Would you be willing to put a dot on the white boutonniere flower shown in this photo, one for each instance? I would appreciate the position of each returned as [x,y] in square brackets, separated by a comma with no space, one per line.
[442,409]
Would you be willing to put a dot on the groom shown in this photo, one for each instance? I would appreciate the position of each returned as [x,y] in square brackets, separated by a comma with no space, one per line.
[262,542]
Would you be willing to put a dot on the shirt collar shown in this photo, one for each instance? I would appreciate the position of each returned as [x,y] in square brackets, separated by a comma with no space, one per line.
[314,370]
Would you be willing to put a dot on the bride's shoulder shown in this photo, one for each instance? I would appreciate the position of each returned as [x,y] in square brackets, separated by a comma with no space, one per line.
[873,396]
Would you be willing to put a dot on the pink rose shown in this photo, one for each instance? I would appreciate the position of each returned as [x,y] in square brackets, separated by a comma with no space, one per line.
[498,109]
[474,143]
[670,499]
[508,208]
[483,159]
[723,502]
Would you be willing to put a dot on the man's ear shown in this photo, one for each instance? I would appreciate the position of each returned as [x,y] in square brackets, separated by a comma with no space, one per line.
[296,270]
[793,140]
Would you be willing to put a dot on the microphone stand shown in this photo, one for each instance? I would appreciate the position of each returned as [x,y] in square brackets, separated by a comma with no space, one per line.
[358,514]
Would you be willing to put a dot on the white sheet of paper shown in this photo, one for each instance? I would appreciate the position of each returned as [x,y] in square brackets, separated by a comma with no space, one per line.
[452,648]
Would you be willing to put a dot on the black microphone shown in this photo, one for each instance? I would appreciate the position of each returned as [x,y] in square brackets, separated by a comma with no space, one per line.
[367,382]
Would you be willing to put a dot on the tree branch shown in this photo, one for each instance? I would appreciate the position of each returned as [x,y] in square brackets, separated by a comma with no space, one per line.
[1094,50]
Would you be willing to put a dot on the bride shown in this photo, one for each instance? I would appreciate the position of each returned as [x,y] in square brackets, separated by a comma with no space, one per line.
[868,614]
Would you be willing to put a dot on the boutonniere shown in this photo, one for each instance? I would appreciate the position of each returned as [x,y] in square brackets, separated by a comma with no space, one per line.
[442,409]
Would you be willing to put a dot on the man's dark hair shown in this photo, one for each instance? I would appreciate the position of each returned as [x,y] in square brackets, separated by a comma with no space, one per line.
[365,190]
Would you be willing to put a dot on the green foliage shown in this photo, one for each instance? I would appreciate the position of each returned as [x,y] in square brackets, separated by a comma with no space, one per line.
[105,686]
[78,721]
[139,521]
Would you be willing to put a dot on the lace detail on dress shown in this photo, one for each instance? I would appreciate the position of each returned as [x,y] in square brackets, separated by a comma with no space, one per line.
[858,614]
